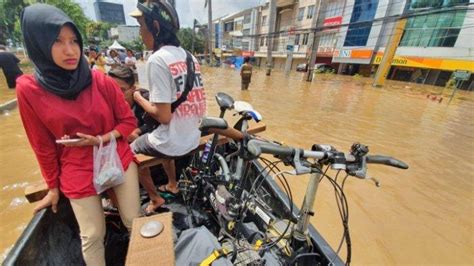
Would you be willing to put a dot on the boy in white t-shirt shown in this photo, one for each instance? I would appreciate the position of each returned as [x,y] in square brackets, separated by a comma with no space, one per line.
[166,69]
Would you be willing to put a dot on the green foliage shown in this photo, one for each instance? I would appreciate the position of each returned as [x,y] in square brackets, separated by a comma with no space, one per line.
[105,44]
[135,45]
[10,17]
[74,11]
[185,36]
[9,20]
[97,31]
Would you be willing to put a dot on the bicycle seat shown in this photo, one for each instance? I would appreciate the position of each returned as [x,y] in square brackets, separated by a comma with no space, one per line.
[212,123]
[246,108]
[224,100]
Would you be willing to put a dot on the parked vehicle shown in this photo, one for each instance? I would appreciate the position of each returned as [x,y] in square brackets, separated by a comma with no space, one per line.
[319,68]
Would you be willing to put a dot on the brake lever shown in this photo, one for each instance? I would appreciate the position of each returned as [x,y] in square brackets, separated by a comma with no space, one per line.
[375,180]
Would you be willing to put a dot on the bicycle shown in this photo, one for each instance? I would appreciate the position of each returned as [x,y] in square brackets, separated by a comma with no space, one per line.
[232,199]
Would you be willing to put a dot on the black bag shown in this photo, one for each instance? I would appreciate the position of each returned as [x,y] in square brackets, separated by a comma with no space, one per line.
[150,121]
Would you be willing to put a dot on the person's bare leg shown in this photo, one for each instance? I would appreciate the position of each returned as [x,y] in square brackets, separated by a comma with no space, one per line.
[147,182]
[170,170]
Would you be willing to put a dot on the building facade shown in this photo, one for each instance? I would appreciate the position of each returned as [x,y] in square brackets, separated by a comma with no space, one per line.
[432,47]
[125,33]
[352,36]
[112,11]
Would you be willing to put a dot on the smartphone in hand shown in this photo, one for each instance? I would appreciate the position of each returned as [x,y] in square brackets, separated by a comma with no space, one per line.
[67,141]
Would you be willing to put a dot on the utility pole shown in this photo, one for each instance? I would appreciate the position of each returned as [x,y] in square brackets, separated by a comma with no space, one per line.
[317,22]
[271,29]
[209,30]
[290,48]
[390,50]
[389,53]
[195,22]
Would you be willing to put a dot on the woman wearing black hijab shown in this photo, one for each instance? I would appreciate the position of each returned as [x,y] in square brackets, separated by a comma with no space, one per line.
[64,99]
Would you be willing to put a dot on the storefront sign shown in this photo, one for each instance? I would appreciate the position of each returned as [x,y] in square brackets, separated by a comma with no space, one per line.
[432,63]
[355,53]
[325,51]
[333,21]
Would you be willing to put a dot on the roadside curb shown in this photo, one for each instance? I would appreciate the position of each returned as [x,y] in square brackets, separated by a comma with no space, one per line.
[7,106]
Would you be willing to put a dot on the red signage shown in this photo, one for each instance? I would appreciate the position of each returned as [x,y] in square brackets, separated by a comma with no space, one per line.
[333,21]
[248,53]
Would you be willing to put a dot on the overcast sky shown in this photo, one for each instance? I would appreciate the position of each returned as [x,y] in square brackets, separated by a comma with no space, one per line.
[187,9]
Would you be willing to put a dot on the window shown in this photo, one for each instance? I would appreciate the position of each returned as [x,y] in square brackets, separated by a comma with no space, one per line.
[246,32]
[264,20]
[305,39]
[300,13]
[297,39]
[247,19]
[334,8]
[229,26]
[262,41]
[433,30]
[266,41]
[361,22]
[310,13]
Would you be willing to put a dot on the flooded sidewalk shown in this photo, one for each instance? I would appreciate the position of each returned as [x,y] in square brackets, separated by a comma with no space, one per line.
[421,215]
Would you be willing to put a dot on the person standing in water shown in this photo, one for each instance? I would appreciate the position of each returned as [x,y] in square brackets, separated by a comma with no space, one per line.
[9,64]
[64,99]
[246,73]
[167,72]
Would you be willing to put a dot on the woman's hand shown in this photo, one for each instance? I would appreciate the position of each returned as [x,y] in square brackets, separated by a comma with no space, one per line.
[134,135]
[85,140]
[51,199]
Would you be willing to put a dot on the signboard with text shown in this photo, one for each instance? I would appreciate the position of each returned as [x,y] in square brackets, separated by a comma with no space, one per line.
[431,63]
[462,75]
[332,21]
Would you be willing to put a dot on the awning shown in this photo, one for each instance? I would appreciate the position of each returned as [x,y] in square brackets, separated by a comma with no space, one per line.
[116,45]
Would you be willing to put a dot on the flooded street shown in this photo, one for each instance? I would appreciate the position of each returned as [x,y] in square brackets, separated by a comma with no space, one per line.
[423,215]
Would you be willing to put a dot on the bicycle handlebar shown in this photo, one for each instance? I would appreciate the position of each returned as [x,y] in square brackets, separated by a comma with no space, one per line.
[386,160]
[257,147]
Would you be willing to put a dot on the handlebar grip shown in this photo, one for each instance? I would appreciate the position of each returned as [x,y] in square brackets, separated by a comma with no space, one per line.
[257,147]
[387,160]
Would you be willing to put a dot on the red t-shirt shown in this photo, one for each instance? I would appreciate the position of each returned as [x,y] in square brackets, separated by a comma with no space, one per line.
[97,110]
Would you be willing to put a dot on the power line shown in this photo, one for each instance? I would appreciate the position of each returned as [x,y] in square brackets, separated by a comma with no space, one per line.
[382,19]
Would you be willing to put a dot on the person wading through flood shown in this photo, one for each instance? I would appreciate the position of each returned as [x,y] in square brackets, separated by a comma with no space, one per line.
[246,73]
[64,99]
[9,64]
[167,72]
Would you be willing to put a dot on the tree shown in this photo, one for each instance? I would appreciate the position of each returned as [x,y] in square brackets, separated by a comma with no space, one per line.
[75,12]
[97,31]
[9,20]
[135,45]
[10,11]
[185,36]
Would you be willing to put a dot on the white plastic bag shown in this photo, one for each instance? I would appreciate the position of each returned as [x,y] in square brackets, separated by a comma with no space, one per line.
[108,170]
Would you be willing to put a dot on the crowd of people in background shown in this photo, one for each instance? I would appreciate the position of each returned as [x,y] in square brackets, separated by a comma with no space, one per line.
[112,58]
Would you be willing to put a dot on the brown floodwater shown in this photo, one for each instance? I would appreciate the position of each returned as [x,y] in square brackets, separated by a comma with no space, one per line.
[423,215]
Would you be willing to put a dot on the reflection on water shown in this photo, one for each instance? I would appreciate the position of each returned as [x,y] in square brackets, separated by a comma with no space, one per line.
[422,215]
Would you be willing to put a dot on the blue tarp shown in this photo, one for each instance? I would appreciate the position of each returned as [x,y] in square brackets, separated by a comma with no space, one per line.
[237,61]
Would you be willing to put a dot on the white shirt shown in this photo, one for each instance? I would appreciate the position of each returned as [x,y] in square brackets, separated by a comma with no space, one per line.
[166,74]
[130,60]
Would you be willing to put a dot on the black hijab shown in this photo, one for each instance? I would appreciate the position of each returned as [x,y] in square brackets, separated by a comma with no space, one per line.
[41,25]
